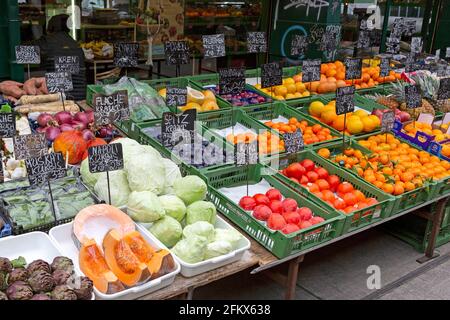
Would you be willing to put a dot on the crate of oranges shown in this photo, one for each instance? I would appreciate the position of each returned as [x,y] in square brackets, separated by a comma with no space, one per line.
[284,119]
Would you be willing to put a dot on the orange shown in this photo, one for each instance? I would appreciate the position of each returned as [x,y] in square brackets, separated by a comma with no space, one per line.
[324,68]
[398,189]
[388,188]
[331,72]
[338,123]
[407,176]
[324,153]
[291,88]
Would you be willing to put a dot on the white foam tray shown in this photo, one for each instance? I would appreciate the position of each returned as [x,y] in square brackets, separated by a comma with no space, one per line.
[193,269]
[62,236]
[32,246]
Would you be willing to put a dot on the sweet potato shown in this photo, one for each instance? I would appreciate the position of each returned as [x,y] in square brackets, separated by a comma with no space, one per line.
[30,87]
[11,88]
[11,99]
[42,85]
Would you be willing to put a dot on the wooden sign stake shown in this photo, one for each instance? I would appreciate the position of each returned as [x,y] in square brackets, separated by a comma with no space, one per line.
[62,100]
[51,198]
[109,189]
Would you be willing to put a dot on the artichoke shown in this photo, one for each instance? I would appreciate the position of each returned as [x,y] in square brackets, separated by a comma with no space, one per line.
[41,281]
[38,265]
[61,276]
[3,296]
[63,292]
[41,296]
[5,265]
[62,263]
[84,291]
[18,275]
[19,290]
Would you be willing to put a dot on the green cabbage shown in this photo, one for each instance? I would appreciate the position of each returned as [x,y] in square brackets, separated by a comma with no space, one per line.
[190,250]
[190,189]
[172,173]
[90,179]
[118,186]
[201,229]
[167,230]
[229,235]
[144,206]
[217,248]
[173,206]
[201,211]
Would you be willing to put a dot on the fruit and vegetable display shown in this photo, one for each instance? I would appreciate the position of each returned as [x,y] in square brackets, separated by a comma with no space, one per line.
[341,195]
[268,143]
[199,100]
[438,132]
[14,91]
[245,98]
[41,280]
[359,121]
[97,49]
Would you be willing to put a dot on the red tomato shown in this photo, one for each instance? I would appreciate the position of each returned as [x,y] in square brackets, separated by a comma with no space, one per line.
[312,176]
[334,182]
[295,170]
[276,222]
[339,204]
[305,213]
[289,205]
[350,199]
[274,194]
[344,187]
[328,195]
[308,164]
[290,228]
[316,220]
[304,224]
[295,180]
[262,212]
[371,201]
[275,206]
[349,209]
[323,184]
[261,199]
[312,187]
[304,180]
[322,172]
[247,203]
[291,217]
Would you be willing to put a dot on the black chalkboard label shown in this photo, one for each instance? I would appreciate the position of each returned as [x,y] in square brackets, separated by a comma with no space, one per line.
[299,45]
[29,146]
[69,64]
[256,42]
[126,54]
[375,38]
[28,55]
[363,39]
[385,67]
[176,96]
[293,142]
[58,82]
[44,168]
[411,64]
[104,158]
[344,100]
[444,89]
[400,27]
[311,70]
[177,52]
[271,75]
[231,80]
[387,121]
[111,108]
[246,153]
[353,68]
[7,125]
[331,38]
[393,44]
[178,128]
[214,45]
[416,45]
[441,70]
[413,97]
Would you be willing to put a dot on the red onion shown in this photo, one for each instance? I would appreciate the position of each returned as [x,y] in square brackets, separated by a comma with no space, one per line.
[90,116]
[88,135]
[41,129]
[44,119]
[51,133]
[78,125]
[105,132]
[82,117]
[63,117]
[65,127]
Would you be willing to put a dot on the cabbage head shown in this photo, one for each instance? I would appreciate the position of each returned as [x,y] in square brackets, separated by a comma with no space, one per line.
[200,228]
[173,206]
[229,235]
[90,179]
[190,189]
[201,211]
[144,206]
[217,248]
[118,184]
[190,250]
[167,230]
[172,173]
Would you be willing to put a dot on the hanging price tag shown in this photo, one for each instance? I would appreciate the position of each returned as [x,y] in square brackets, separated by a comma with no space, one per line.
[393,44]
[311,70]
[363,39]
[29,146]
[105,158]
[256,42]
[331,38]
[126,54]
[177,52]
[176,96]
[413,97]
[214,45]
[299,45]
[111,108]
[353,68]
[444,89]
[412,64]
[231,80]
[387,121]
[69,64]
[416,45]
[345,100]
[176,128]
[7,125]
[58,82]
[293,142]
[28,55]
[271,75]
[44,168]
[385,67]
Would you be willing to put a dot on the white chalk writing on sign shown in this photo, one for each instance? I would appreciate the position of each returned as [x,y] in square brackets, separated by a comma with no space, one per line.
[28,55]
[214,45]
[105,158]
[111,108]
[69,64]
[58,82]
[231,80]
[256,42]
[7,125]
[126,54]
[44,168]
[29,146]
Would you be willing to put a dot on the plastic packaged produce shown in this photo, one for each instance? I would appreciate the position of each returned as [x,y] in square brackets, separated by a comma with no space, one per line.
[144,206]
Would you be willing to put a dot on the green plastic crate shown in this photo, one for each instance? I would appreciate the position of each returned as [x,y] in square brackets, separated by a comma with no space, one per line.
[281,245]
[355,220]
[277,109]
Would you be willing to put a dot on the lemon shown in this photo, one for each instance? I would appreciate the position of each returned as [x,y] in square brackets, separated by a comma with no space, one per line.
[369,124]
[360,113]
[328,116]
[355,126]
[192,105]
[316,108]
[281,91]
[290,96]
[195,96]
[209,95]
[376,120]
[288,81]
[209,106]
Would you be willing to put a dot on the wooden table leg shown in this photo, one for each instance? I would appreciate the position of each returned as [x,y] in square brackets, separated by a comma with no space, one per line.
[291,282]
[437,221]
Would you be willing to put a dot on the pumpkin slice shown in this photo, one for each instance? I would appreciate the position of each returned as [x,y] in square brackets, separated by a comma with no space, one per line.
[140,247]
[93,265]
[95,221]
[161,263]
[122,261]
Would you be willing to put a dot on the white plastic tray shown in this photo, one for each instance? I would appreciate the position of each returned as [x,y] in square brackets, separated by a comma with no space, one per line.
[62,236]
[193,269]
[32,246]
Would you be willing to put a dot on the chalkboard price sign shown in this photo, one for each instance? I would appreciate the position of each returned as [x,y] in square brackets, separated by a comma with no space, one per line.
[293,142]
[111,108]
[416,45]
[44,168]
[104,158]
[363,39]
[58,82]
[385,67]
[176,96]
[403,27]
[299,45]
[29,146]
[331,38]
[413,97]
[178,128]
[271,75]
[177,52]
[7,125]
[256,42]
[444,89]
[28,55]
[126,54]
[246,153]
[311,70]
[214,45]
[231,80]
[393,44]
[411,64]
[353,68]
[387,121]
[69,64]
[344,100]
